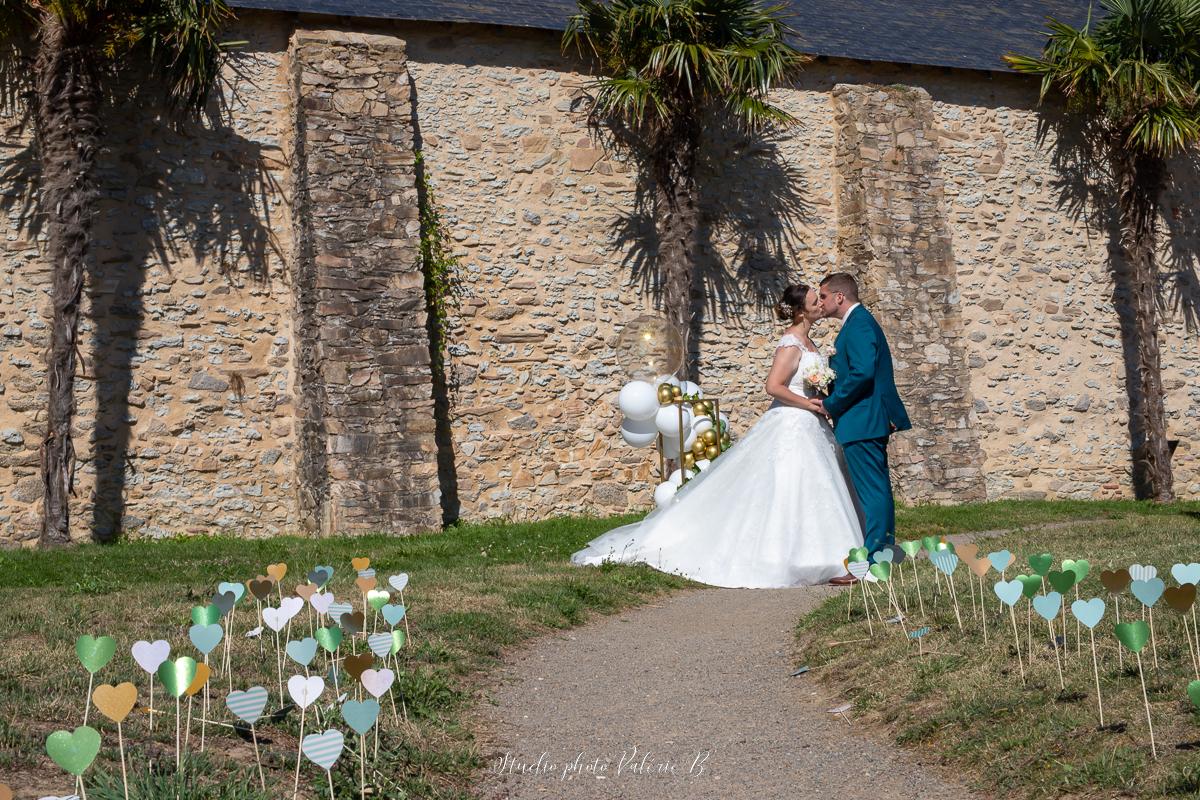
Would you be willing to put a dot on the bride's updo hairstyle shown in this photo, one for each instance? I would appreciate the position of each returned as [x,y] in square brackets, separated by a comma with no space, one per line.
[791,301]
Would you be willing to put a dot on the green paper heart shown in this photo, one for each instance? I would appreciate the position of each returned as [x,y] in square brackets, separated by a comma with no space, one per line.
[95,651]
[206,615]
[397,641]
[1031,584]
[944,546]
[1041,563]
[1061,581]
[882,570]
[1079,566]
[930,543]
[911,548]
[377,598]
[74,751]
[1193,693]
[858,554]
[1133,635]
[176,676]
[328,638]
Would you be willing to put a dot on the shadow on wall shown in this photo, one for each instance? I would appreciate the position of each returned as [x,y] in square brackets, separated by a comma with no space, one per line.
[1087,191]
[202,192]
[752,205]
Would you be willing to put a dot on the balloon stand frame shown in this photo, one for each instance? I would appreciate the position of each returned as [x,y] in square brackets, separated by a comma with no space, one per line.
[662,457]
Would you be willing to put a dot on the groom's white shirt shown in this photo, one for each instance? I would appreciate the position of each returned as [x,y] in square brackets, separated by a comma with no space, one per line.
[849,311]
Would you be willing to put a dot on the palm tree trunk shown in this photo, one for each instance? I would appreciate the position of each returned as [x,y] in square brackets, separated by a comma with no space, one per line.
[677,206]
[68,131]
[1141,181]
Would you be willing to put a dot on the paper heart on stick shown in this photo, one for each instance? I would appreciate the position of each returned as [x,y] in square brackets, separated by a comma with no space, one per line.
[911,547]
[260,587]
[980,566]
[95,651]
[176,676]
[353,623]
[206,615]
[930,543]
[377,598]
[366,573]
[946,561]
[248,705]
[239,591]
[1115,580]
[1061,581]
[1193,693]
[377,681]
[6,792]
[1089,612]
[323,748]
[1141,572]
[898,554]
[883,556]
[365,584]
[859,554]
[276,571]
[1149,591]
[302,651]
[275,618]
[1133,635]
[1000,560]
[1041,563]
[321,602]
[392,613]
[115,702]
[360,563]
[328,638]
[149,655]
[397,640]
[305,591]
[859,569]
[398,582]
[1181,598]
[1080,566]
[1186,573]
[882,570]
[356,665]
[360,716]
[380,644]
[338,610]
[203,673]
[74,751]
[206,637]
[321,575]
[1031,584]
[1047,605]
[1009,592]
[967,552]
[224,601]
[305,691]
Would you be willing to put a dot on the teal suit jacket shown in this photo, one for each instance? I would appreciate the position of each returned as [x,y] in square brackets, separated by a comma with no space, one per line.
[864,402]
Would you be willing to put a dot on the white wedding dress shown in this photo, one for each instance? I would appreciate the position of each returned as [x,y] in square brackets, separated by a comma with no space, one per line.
[776,510]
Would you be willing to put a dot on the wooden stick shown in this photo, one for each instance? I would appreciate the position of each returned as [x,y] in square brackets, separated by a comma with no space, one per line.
[1012,612]
[866,607]
[329,775]
[1029,629]
[954,597]
[87,702]
[262,781]
[82,788]
[1191,646]
[1153,640]
[1057,659]
[151,678]
[1096,674]
[187,728]
[982,611]
[362,766]
[849,603]
[1146,701]
[1063,607]
[204,709]
[299,747]
[279,671]
[177,715]
[917,575]
[1120,650]
[1078,634]
[121,747]
[407,632]
[903,586]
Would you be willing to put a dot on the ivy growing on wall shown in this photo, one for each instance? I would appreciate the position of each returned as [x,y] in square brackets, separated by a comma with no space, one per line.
[440,268]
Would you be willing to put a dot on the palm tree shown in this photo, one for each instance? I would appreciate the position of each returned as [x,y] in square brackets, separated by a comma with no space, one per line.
[79,49]
[1133,78]
[665,66]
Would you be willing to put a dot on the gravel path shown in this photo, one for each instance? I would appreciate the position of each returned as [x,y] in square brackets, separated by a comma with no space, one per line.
[687,698]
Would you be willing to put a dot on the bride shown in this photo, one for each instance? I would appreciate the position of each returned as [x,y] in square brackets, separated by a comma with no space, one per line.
[777,509]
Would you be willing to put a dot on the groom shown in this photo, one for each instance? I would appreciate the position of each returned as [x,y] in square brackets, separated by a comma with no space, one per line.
[864,405]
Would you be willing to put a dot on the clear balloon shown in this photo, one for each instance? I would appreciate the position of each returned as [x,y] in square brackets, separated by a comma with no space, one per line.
[649,346]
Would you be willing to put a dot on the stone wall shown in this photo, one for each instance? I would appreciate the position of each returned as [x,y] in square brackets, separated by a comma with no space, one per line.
[253,354]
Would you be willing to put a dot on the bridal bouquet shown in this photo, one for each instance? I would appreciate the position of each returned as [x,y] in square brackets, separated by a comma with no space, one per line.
[820,377]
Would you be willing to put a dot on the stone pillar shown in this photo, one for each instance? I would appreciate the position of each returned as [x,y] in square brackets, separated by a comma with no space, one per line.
[365,405]
[893,236]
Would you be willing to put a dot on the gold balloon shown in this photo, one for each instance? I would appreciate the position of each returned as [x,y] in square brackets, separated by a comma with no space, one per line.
[676,392]
[698,409]
[709,436]
[664,394]
[711,452]
[698,447]
[708,406]
[689,460]
[649,346]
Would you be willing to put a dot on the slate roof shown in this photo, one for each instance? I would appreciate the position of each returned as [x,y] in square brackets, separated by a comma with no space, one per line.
[967,34]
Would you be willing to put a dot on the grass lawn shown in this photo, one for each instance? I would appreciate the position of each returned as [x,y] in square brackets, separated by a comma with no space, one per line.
[965,702]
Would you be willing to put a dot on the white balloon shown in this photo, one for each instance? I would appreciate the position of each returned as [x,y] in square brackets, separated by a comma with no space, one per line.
[690,439]
[639,432]
[671,379]
[687,387]
[703,464]
[638,400]
[676,478]
[701,425]
[670,447]
[724,424]
[667,421]
[665,493]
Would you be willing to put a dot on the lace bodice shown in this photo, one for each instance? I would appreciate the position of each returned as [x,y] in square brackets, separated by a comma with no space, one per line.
[796,383]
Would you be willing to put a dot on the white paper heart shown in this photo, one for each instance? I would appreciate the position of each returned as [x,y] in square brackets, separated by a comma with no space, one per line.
[275,618]
[1139,572]
[323,748]
[150,655]
[291,606]
[321,602]
[398,582]
[305,690]
[377,681]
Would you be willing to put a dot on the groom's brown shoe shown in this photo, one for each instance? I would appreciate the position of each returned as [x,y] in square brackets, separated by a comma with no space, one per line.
[844,580]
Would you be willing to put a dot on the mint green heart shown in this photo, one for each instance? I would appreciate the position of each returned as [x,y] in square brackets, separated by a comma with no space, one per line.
[392,613]
[1061,581]
[95,651]
[911,548]
[303,651]
[1133,635]
[238,589]
[1079,566]
[360,716]
[329,638]
[1041,563]
[942,547]
[206,615]
[858,554]
[882,570]
[1032,585]
[74,751]
[176,676]
[930,543]
[1193,693]
[205,637]
[397,641]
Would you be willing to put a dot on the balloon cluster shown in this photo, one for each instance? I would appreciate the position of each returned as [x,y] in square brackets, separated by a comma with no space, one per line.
[674,414]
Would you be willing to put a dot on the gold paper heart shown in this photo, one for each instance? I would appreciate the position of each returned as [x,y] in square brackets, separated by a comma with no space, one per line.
[305,591]
[277,571]
[115,702]
[202,676]
[979,566]
[360,563]
[366,584]
[967,552]
[357,665]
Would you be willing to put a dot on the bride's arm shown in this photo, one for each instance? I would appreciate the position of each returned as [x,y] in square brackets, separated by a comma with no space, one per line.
[787,359]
